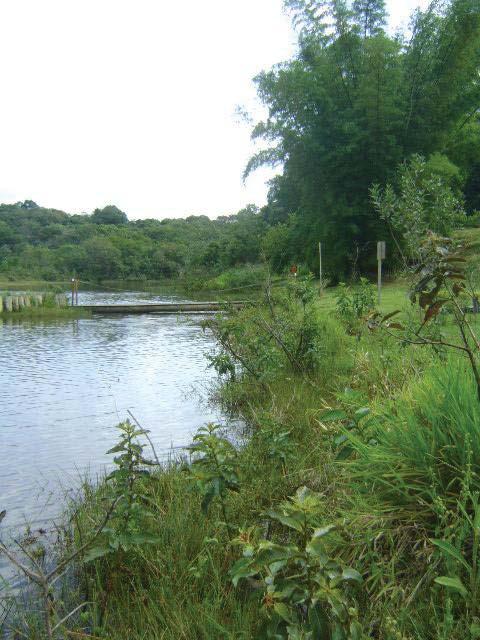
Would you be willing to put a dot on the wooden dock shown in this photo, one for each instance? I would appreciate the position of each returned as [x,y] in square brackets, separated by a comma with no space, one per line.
[161,308]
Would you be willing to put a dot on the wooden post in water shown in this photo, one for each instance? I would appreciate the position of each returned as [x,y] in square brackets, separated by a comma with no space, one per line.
[381,253]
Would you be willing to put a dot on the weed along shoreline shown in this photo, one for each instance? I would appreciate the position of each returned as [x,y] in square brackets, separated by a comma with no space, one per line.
[347,511]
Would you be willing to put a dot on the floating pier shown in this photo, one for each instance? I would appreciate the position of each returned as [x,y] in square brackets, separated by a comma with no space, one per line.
[161,308]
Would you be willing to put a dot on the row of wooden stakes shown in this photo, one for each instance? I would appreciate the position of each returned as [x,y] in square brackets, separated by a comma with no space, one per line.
[14,303]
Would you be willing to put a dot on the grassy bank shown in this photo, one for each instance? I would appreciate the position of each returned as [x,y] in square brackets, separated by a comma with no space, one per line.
[349,510]
[388,494]
[43,313]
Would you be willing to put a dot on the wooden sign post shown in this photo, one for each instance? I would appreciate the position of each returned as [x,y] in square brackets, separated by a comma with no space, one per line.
[381,254]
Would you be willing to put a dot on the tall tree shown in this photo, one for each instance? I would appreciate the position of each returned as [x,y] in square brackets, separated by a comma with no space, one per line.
[371,15]
[352,105]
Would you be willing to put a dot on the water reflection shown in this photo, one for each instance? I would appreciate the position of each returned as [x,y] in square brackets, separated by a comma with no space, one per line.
[65,384]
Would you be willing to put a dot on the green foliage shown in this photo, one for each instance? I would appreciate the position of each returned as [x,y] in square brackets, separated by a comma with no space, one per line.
[425,203]
[440,286]
[353,305]
[132,524]
[395,467]
[214,468]
[109,215]
[418,449]
[351,106]
[276,441]
[240,278]
[223,364]
[461,556]
[353,420]
[304,590]
[54,245]
[284,332]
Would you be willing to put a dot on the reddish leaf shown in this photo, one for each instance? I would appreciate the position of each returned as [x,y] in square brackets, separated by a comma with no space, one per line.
[426,299]
[434,309]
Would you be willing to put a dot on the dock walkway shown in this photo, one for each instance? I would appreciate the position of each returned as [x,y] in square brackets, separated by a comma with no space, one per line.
[162,308]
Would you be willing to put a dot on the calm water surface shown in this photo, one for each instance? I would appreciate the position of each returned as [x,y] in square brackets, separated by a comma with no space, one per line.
[65,384]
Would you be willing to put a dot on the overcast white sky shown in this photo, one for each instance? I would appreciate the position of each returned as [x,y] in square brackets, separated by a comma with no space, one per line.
[132,102]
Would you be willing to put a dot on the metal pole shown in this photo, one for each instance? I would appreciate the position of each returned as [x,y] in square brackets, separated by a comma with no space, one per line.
[379,281]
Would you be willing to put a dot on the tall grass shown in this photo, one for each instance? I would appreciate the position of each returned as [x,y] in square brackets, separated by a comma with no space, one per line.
[423,443]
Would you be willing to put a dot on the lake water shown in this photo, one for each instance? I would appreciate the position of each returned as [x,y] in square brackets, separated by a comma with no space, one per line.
[65,384]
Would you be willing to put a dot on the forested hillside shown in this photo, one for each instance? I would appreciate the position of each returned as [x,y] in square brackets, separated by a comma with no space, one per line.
[50,244]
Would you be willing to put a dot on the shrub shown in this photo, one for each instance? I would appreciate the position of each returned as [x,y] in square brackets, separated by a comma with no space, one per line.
[285,333]
[354,304]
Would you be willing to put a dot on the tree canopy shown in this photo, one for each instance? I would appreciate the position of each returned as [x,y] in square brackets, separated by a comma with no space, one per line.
[51,244]
[353,104]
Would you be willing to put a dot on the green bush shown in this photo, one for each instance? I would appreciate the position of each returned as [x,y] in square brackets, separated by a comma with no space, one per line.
[283,333]
[248,276]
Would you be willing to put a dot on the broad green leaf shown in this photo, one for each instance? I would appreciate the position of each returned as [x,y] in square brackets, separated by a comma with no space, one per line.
[288,521]
[324,531]
[356,632]
[344,453]
[207,499]
[283,611]
[452,583]
[476,520]
[316,548]
[361,413]
[117,448]
[352,575]
[243,568]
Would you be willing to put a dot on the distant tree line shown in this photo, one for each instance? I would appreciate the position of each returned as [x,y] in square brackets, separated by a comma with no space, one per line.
[51,244]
